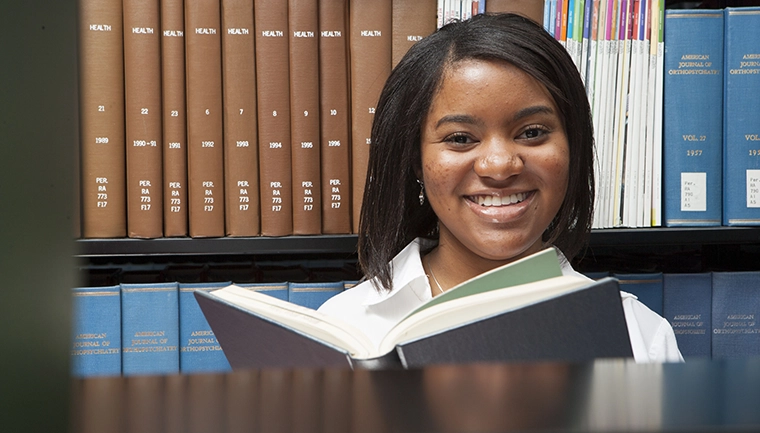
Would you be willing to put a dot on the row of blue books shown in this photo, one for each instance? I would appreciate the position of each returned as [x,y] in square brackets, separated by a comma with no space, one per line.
[712,117]
[158,328]
[713,314]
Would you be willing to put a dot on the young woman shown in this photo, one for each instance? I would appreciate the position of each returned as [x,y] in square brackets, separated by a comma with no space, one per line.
[482,153]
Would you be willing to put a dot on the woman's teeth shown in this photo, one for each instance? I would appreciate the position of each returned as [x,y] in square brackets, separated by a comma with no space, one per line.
[489,200]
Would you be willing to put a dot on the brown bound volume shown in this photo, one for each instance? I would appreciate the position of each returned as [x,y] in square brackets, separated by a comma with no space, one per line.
[303,26]
[273,89]
[334,116]
[412,21]
[241,164]
[174,115]
[532,9]
[205,169]
[101,101]
[142,90]
[370,41]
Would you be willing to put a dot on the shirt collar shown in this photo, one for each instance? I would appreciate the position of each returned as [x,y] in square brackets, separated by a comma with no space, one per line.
[408,275]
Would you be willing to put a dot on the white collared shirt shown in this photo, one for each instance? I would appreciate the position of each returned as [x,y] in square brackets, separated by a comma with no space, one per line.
[376,312]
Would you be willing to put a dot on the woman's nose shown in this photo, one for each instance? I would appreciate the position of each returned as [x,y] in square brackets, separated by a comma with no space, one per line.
[499,159]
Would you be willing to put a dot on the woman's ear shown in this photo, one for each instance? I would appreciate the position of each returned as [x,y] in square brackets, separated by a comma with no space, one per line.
[417,171]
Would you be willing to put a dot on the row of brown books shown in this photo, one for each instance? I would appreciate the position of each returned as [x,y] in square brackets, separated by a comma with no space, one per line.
[210,118]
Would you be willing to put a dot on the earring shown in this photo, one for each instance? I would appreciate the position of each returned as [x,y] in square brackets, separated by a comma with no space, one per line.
[422,192]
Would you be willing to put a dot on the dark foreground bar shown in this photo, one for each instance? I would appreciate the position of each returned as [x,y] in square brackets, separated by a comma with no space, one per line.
[701,395]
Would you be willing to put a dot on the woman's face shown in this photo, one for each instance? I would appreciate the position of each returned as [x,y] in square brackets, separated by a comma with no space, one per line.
[495,160]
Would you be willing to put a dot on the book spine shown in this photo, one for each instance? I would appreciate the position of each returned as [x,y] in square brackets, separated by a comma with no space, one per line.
[174,117]
[276,290]
[142,89]
[199,350]
[241,165]
[569,45]
[735,309]
[204,118]
[439,13]
[634,148]
[411,21]
[687,305]
[647,287]
[273,93]
[96,331]
[150,328]
[370,54]
[334,116]
[657,172]
[101,99]
[693,117]
[312,295]
[741,152]
[303,24]
[585,39]
[650,113]
[641,92]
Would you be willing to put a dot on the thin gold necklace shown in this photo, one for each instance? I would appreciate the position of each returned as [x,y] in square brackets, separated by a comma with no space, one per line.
[432,274]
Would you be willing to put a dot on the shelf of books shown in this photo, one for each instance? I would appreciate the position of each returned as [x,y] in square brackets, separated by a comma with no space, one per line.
[206,162]
[218,246]
[346,244]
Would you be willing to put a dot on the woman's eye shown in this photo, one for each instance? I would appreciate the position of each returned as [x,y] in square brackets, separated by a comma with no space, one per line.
[533,132]
[459,139]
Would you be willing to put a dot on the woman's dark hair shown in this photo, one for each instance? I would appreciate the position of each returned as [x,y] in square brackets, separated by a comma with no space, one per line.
[388,224]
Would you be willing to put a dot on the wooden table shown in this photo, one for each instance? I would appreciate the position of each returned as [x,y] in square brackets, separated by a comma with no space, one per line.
[612,395]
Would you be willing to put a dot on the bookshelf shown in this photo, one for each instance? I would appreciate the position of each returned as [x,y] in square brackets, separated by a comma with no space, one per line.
[323,258]
[346,244]
[677,249]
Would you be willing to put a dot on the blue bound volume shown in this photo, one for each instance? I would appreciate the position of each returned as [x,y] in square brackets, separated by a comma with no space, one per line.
[693,117]
[688,308]
[647,287]
[199,351]
[96,331]
[741,126]
[736,308]
[150,328]
[312,295]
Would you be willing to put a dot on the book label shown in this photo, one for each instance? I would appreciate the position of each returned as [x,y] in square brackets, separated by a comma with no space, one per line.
[753,188]
[693,192]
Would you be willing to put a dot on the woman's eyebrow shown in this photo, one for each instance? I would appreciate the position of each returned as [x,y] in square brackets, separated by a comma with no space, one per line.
[529,111]
[457,118]
[467,119]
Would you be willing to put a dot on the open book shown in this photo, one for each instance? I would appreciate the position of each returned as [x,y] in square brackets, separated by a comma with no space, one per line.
[525,310]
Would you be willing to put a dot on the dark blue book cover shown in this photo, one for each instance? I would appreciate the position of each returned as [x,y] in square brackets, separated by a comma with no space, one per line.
[96,331]
[199,350]
[741,151]
[277,290]
[647,287]
[687,300]
[150,328]
[312,295]
[736,308]
[693,117]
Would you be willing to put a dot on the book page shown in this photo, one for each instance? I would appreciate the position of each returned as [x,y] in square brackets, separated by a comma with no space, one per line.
[479,306]
[304,320]
[539,266]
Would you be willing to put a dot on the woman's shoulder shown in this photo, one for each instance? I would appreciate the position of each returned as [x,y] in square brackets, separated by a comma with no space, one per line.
[350,298]
[652,337]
